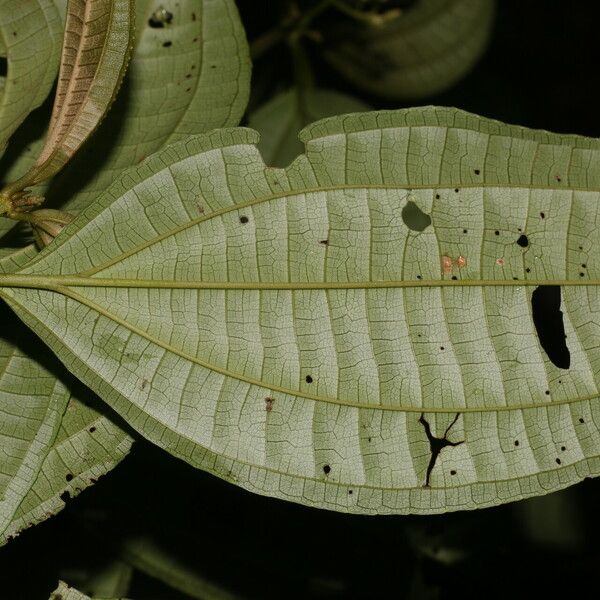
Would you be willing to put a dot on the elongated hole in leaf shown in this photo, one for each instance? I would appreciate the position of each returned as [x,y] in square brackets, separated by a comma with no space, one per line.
[414,218]
[3,66]
[549,324]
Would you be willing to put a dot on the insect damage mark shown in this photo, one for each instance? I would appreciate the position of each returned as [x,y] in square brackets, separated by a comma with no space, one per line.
[436,444]
[414,218]
[160,17]
[549,324]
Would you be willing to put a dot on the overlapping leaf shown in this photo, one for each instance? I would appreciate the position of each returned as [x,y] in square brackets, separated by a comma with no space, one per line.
[290,332]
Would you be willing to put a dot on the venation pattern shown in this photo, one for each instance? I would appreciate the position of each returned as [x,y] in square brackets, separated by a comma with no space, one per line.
[286,329]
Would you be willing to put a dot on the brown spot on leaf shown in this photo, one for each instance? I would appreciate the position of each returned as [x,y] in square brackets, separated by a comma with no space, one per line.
[446,265]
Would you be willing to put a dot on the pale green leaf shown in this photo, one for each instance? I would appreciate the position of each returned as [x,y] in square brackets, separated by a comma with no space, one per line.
[424,51]
[289,332]
[280,120]
[30,37]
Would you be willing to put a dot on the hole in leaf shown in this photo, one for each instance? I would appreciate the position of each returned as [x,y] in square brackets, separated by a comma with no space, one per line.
[167,44]
[414,218]
[523,241]
[243,219]
[326,469]
[549,324]
[516,442]
[69,477]
[309,379]
[3,66]
[65,496]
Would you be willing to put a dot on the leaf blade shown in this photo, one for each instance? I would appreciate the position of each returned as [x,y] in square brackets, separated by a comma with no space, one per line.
[302,378]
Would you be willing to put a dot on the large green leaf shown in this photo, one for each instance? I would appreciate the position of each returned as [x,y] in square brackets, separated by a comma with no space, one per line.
[354,332]
[424,51]
[280,120]
[30,36]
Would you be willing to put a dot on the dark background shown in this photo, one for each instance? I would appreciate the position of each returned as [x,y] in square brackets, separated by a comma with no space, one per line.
[539,71]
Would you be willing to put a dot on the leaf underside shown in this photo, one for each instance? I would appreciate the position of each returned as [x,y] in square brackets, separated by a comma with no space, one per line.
[288,331]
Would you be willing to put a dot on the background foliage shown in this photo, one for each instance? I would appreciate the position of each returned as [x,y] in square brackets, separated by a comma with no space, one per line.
[538,72]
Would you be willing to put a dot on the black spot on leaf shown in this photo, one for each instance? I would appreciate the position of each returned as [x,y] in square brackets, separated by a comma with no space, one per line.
[167,44]
[549,324]
[414,218]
